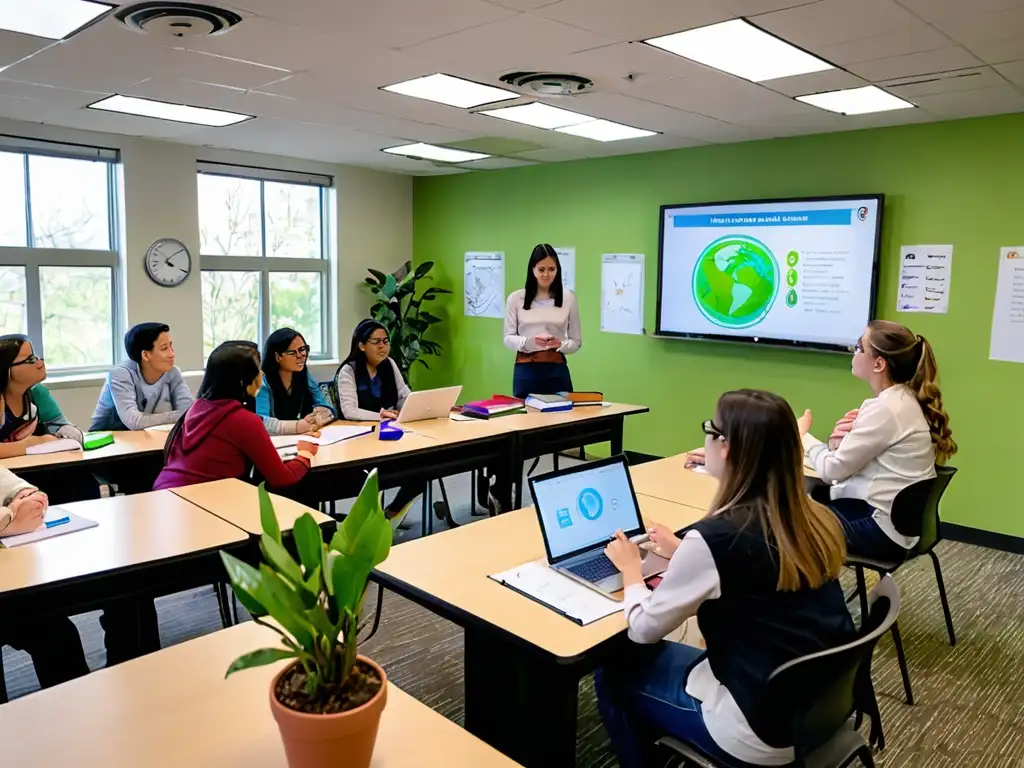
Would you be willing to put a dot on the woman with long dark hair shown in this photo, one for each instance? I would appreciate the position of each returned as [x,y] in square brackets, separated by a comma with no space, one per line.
[289,393]
[218,437]
[542,326]
[760,574]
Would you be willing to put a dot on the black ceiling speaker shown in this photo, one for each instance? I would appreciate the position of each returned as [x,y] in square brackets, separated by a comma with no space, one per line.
[177,19]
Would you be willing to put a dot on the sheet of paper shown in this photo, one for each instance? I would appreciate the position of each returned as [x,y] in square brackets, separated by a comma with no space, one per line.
[484,284]
[461,417]
[567,258]
[1008,314]
[160,428]
[54,446]
[328,436]
[622,293]
[75,523]
[925,273]
[566,596]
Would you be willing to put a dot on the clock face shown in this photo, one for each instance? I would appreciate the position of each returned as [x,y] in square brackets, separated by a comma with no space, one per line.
[168,262]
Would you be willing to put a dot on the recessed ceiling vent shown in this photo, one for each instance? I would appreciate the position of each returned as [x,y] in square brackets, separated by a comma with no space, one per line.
[548,83]
[177,19]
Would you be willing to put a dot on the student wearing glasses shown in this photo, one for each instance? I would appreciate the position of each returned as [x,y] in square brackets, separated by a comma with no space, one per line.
[892,441]
[759,572]
[289,393]
[30,416]
[146,390]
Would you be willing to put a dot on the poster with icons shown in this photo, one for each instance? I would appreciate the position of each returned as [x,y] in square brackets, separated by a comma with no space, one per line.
[1008,314]
[925,272]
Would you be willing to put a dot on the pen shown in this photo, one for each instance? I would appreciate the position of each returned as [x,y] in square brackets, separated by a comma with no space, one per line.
[58,521]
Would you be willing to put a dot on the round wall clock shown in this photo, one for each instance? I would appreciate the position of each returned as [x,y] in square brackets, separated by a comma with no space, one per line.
[168,262]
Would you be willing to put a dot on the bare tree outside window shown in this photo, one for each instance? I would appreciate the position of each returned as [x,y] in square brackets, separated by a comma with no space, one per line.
[229,216]
[231,307]
[77,318]
[13,312]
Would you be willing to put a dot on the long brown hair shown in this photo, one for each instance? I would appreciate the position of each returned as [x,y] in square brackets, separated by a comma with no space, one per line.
[764,476]
[911,361]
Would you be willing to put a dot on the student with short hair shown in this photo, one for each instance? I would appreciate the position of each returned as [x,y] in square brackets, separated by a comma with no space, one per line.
[289,393]
[759,572]
[147,389]
[892,441]
[218,437]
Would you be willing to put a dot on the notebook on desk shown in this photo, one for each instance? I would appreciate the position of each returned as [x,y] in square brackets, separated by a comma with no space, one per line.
[57,522]
[61,445]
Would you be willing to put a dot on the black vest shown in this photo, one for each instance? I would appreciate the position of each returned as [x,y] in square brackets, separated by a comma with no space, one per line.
[752,629]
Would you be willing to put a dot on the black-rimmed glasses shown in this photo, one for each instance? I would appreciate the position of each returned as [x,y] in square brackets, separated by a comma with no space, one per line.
[711,430]
[30,360]
[379,342]
[296,352]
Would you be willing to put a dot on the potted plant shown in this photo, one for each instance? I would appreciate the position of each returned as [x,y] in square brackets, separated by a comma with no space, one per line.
[328,702]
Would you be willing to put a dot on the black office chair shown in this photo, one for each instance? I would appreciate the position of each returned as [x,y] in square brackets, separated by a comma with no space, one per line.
[915,512]
[823,733]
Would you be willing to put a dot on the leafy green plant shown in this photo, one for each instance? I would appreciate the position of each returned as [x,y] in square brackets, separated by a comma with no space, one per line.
[317,601]
[398,308]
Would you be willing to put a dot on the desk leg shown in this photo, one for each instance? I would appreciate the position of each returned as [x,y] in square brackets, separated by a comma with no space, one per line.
[520,704]
[616,441]
[516,471]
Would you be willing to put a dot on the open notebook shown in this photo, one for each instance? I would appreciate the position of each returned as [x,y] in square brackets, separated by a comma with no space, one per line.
[328,436]
[54,446]
[57,522]
[543,584]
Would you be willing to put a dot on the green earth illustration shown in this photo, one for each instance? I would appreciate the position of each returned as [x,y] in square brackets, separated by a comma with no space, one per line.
[735,281]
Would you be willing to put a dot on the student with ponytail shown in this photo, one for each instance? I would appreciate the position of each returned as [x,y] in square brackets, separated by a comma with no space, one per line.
[893,440]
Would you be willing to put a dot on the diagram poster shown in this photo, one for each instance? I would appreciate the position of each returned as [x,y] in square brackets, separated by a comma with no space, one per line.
[622,293]
[485,284]
[567,259]
[1008,313]
[925,272]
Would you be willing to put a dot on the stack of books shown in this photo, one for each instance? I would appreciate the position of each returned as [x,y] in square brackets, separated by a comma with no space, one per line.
[548,403]
[579,399]
[497,405]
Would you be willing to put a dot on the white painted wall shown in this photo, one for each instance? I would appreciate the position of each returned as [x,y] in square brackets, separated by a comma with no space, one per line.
[372,228]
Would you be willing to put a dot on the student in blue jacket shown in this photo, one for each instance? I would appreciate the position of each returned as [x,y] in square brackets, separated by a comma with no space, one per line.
[289,393]
[147,389]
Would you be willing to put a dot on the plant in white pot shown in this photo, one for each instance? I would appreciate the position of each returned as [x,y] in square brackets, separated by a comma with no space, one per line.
[328,702]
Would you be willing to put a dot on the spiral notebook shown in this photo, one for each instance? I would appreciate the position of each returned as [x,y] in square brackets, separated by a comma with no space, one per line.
[541,583]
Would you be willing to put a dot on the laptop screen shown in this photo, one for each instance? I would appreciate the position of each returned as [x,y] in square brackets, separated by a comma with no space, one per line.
[580,508]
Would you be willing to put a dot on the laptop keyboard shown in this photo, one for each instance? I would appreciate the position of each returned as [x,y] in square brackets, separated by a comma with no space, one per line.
[595,569]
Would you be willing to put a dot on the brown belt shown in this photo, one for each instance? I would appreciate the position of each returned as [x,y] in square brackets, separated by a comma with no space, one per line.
[541,356]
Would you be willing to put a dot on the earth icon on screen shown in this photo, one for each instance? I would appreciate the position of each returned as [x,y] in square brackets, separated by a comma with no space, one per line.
[735,281]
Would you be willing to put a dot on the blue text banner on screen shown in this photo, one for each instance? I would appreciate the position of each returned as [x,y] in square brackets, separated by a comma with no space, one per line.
[822,218]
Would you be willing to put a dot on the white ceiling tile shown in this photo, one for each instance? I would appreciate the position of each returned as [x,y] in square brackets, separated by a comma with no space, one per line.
[511,44]
[15,46]
[984,101]
[31,110]
[998,51]
[265,41]
[1012,71]
[939,9]
[925,63]
[836,21]
[643,114]
[498,163]
[522,5]
[756,7]
[815,82]
[555,155]
[50,95]
[966,23]
[911,40]
[961,80]
[205,68]
[636,19]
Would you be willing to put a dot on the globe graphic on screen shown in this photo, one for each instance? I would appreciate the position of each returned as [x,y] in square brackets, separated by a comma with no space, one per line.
[735,281]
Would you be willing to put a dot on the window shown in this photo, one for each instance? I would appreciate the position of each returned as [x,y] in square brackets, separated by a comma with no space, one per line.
[58,250]
[262,237]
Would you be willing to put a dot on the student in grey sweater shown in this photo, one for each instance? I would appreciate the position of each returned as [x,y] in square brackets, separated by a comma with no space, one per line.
[146,390]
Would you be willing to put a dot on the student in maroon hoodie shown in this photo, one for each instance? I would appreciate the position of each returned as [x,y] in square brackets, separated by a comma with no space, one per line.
[218,437]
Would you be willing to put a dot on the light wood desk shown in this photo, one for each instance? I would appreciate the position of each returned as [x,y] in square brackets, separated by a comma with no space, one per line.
[523,661]
[238,503]
[174,709]
[125,444]
[669,479]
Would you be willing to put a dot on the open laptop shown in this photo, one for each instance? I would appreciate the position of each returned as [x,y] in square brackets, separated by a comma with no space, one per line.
[429,404]
[579,510]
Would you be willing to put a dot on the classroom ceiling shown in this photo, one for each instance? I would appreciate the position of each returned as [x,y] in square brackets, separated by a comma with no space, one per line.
[311,72]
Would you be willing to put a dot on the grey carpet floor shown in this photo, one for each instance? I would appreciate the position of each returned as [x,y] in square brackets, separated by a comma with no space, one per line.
[970,699]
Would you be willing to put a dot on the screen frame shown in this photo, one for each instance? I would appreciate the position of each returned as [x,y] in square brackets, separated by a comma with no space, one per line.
[587,467]
[762,341]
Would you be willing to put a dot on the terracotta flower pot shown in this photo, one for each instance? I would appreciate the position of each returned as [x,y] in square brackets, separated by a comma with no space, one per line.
[322,741]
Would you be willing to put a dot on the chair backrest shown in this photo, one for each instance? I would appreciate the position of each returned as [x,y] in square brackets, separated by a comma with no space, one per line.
[329,389]
[838,679]
[915,510]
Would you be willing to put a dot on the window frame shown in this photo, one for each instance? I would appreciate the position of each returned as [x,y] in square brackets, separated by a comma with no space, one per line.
[265,265]
[32,257]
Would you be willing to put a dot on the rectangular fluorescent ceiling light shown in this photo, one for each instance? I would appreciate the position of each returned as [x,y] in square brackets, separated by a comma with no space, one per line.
[856,101]
[55,19]
[162,110]
[453,91]
[741,49]
[538,115]
[606,130]
[434,152]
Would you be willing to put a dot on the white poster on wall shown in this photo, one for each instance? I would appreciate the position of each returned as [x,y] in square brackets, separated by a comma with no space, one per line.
[925,273]
[484,284]
[622,293]
[567,260]
[1008,314]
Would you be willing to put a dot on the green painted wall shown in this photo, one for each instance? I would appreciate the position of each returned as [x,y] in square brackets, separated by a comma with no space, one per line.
[956,182]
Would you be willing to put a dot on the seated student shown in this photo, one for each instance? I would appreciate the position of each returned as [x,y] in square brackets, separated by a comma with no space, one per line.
[371,388]
[30,414]
[759,573]
[289,393]
[52,642]
[218,437]
[146,390]
[892,441]
[274,426]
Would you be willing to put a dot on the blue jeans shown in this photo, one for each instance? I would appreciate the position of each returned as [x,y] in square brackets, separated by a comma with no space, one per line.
[540,379]
[863,536]
[642,697]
